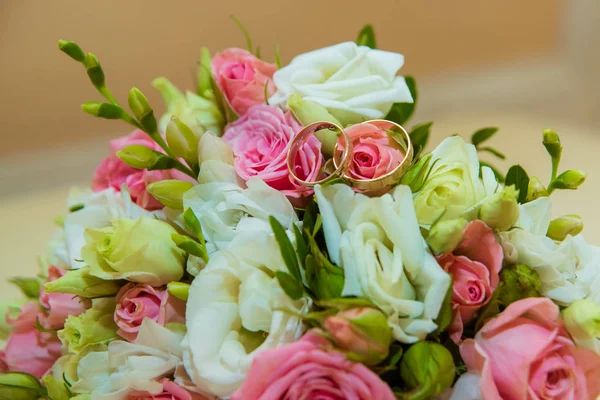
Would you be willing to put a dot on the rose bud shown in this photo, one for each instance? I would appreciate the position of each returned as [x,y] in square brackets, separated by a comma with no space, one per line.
[501,210]
[362,332]
[582,320]
[446,235]
[427,369]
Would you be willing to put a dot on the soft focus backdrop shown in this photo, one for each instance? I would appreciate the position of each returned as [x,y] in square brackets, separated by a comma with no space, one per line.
[521,66]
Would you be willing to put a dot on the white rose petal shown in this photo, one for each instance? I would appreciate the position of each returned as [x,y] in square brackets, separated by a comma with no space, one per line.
[353,82]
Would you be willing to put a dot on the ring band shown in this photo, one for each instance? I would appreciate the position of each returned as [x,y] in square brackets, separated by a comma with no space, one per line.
[301,138]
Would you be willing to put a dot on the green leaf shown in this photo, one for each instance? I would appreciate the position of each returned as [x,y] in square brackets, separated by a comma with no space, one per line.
[517,176]
[193,223]
[301,247]
[30,287]
[290,285]
[244,32]
[419,135]
[401,112]
[493,151]
[499,175]
[324,278]
[310,215]
[482,135]
[445,316]
[288,253]
[277,57]
[366,37]
[345,302]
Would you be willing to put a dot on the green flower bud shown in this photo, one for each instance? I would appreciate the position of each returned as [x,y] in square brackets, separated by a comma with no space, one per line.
[204,73]
[211,147]
[500,211]
[536,189]
[138,156]
[307,112]
[518,282]
[570,179]
[138,103]
[190,246]
[551,142]
[445,235]
[137,250]
[179,289]
[561,227]
[416,175]
[30,287]
[582,320]
[93,327]
[169,192]
[182,141]
[79,282]
[20,386]
[102,110]
[427,369]
[362,332]
[94,70]
[57,390]
[71,49]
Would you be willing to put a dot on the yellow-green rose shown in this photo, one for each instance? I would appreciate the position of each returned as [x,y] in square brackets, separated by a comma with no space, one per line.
[453,187]
[137,250]
[94,327]
[582,320]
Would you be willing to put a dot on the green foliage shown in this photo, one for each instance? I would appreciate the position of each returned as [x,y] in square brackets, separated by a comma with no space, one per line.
[482,135]
[517,176]
[419,135]
[366,37]
[401,112]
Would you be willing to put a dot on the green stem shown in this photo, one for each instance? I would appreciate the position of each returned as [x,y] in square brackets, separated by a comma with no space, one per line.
[108,95]
[550,188]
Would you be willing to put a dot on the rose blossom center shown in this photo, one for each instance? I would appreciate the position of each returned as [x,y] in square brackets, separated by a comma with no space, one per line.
[143,305]
[557,382]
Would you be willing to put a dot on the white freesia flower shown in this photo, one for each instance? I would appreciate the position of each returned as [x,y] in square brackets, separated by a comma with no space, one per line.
[453,187]
[569,270]
[98,209]
[232,313]
[355,83]
[226,209]
[378,243]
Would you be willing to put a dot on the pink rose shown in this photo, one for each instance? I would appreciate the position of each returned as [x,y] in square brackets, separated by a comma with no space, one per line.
[58,306]
[27,349]
[474,266]
[309,369]
[113,173]
[260,142]
[242,78]
[375,153]
[138,301]
[171,391]
[525,353]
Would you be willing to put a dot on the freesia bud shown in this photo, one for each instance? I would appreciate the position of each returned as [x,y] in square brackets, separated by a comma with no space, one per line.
[500,211]
[182,141]
[71,49]
[204,73]
[211,147]
[179,289]
[102,110]
[415,176]
[362,332]
[138,103]
[570,179]
[427,369]
[94,70]
[445,235]
[551,142]
[307,112]
[138,156]
[20,386]
[57,390]
[519,282]
[79,282]
[536,189]
[169,192]
[582,320]
[561,227]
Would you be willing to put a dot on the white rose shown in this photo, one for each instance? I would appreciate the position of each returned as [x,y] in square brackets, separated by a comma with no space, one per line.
[355,83]
[453,187]
[96,212]
[378,243]
[569,270]
[231,314]
[225,209]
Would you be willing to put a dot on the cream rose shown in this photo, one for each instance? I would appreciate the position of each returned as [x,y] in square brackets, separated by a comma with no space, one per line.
[378,243]
[232,313]
[354,83]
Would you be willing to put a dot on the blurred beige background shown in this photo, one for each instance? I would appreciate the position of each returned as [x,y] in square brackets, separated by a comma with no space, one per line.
[519,65]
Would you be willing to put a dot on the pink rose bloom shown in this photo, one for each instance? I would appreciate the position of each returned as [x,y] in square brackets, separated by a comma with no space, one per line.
[525,353]
[113,173]
[27,349]
[171,391]
[242,78]
[309,369]
[474,266]
[374,152]
[58,306]
[260,142]
[138,301]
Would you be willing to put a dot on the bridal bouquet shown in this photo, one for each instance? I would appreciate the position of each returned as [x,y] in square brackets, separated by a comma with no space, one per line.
[278,234]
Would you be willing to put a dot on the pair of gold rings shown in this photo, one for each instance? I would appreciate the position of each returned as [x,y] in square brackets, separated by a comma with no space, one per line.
[345,154]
